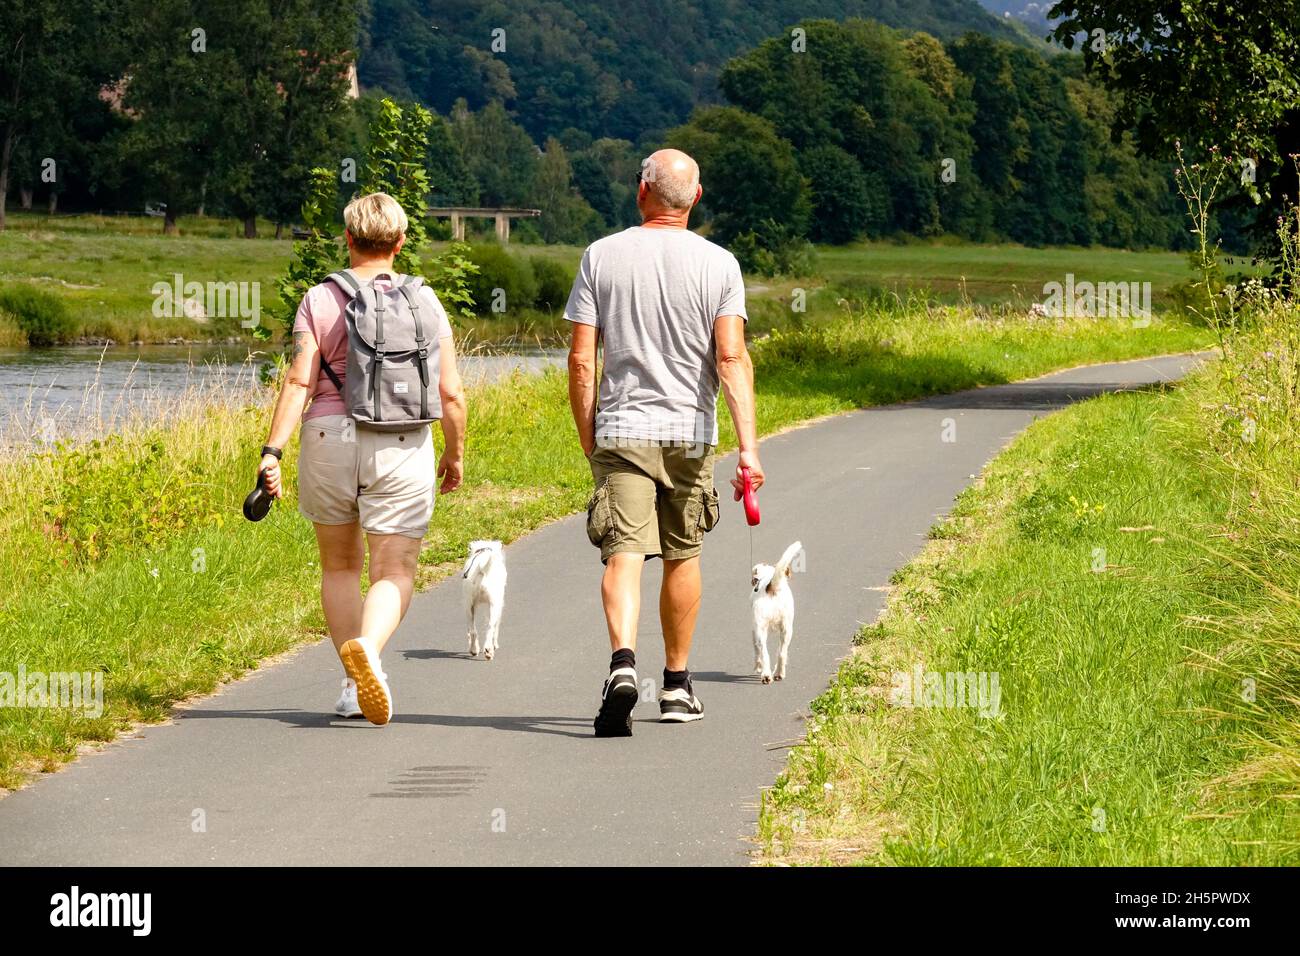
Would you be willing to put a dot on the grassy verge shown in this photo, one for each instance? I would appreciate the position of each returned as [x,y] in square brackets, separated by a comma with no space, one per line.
[957,272]
[1128,568]
[104,269]
[130,557]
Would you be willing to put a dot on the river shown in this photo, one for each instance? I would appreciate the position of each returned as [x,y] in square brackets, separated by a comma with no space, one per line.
[82,390]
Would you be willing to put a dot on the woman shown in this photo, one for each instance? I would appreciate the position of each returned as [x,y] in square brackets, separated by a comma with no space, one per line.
[354,481]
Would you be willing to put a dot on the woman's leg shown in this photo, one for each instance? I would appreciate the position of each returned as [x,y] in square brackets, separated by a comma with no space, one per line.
[342,557]
[393,559]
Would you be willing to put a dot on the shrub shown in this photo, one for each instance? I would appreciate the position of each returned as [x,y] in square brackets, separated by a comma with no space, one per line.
[41,315]
[499,270]
[553,284]
[773,250]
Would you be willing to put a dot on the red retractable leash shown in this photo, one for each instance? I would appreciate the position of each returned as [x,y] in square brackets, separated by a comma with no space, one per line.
[752,516]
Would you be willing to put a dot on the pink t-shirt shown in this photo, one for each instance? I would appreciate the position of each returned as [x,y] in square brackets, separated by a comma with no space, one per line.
[321,314]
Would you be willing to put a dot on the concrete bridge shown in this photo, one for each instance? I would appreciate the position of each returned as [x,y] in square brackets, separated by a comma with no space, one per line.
[502,215]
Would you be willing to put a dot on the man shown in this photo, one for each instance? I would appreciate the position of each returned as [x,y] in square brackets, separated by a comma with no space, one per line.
[669,308]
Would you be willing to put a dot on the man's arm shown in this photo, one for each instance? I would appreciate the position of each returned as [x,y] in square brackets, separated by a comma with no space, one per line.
[736,372]
[582,383]
[451,467]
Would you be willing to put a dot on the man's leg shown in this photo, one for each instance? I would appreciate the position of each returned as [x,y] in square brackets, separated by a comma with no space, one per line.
[621,519]
[620,592]
[686,513]
[679,605]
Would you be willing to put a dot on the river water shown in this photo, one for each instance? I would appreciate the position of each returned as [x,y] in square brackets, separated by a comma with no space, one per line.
[87,390]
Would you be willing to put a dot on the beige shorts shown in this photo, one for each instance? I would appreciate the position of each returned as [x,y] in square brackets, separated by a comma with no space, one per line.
[384,480]
[654,500]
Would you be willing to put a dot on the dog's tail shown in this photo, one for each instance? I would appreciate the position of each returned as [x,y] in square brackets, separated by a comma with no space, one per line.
[782,569]
[477,564]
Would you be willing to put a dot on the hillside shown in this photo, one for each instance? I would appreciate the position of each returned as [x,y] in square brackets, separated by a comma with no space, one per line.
[607,67]
[1031,13]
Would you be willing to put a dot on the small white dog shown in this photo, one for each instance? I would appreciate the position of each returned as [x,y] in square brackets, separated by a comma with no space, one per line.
[773,609]
[484,583]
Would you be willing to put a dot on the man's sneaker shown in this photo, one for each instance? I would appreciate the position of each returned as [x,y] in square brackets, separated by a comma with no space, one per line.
[678,705]
[616,703]
[347,705]
[373,696]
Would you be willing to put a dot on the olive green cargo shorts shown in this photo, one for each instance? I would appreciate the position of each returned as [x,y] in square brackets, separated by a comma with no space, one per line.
[655,500]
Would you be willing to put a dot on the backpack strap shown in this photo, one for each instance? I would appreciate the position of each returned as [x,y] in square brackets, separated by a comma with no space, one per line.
[346,281]
[331,375]
[410,292]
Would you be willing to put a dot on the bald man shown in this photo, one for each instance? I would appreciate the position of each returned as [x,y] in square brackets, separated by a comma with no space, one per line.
[668,307]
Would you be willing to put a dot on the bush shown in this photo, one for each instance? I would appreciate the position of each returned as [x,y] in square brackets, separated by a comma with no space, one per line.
[553,284]
[499,270]
[40,315]
[774,250]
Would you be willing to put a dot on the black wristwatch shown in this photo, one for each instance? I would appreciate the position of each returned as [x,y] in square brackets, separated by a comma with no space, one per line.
[272,450]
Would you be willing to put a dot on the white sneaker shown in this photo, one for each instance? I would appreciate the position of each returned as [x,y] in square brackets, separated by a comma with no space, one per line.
[373,695]
[347,705]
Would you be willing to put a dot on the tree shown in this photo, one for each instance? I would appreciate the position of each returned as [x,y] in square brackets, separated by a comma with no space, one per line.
[170,91]
[234,100]
[501,155]
[450,181]
[749,173]
[566,216]
[861,88]
[1211,73]
[845,205]
[397,164]
[316,38]
[52,55]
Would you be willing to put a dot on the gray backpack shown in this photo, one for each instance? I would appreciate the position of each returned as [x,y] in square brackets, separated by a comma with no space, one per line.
[392,374]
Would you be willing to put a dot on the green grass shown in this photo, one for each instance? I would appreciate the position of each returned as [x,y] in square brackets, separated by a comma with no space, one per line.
[1119,577]
[105,269]
[100,548]
[988,274]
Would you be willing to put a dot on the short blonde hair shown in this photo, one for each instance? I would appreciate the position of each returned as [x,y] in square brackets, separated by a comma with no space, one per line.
[376,222]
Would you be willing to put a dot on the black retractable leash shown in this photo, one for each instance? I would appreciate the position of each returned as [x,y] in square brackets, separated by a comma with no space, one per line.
[259,500]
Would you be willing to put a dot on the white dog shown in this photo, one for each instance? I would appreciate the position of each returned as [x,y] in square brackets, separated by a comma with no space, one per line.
[773,609]
[484,583]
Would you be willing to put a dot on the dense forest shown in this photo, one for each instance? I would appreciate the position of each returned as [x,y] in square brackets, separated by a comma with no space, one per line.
[864,131]
[884,132]
[827,130]
[611,68]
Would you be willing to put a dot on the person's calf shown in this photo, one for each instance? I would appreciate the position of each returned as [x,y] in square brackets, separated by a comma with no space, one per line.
[620,592]
[679,606]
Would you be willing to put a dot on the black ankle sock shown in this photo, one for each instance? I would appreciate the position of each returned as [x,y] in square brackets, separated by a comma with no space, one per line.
[680,680]
[623,657]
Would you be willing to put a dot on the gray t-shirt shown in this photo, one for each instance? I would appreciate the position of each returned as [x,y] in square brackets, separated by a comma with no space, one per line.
[655,295]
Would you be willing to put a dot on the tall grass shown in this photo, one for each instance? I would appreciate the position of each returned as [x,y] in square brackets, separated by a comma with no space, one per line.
[1131,569]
